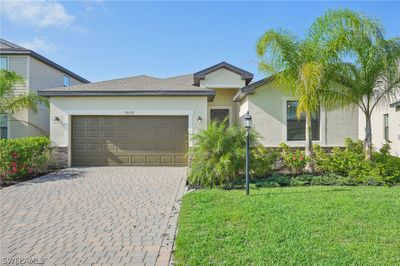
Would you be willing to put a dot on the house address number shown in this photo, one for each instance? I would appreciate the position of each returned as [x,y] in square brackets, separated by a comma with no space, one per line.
[129,112]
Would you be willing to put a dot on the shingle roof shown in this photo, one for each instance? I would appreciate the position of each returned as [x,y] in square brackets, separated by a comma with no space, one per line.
[19,50]
[134,86]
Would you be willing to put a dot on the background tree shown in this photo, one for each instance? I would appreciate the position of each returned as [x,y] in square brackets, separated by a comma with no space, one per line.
[297,67]
[10,103]
[363,66]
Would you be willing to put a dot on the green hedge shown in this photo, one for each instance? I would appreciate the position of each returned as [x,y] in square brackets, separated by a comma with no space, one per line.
[24,157]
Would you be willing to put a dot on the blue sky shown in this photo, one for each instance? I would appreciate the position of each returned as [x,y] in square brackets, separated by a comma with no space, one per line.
[102,40]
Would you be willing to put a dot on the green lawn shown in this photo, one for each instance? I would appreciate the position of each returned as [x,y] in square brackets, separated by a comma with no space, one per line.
[290,226]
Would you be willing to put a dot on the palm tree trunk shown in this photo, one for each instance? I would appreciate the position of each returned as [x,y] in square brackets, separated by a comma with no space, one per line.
[368,138]
[309,145]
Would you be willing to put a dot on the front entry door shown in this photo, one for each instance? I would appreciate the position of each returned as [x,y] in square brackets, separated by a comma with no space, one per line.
[219,115]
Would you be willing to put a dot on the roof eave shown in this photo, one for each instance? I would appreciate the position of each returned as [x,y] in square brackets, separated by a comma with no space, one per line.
[395,104]
[250,89]
[53,93]
[22,51]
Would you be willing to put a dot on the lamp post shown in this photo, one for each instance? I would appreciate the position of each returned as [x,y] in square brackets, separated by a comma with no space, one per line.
[247,126]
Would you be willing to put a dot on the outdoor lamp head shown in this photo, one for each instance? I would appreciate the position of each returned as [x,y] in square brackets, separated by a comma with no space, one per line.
[247,121]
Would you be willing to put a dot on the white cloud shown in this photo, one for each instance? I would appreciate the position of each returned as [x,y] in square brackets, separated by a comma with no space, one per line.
[39,45]
[40,13]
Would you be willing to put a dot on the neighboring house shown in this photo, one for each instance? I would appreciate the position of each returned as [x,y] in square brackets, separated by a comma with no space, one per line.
[385,122]
[38,72]
[145,120]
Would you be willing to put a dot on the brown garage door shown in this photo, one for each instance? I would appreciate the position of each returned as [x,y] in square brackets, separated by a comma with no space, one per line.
[129,140]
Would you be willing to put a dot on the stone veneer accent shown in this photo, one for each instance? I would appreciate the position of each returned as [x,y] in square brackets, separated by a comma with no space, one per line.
[60,157]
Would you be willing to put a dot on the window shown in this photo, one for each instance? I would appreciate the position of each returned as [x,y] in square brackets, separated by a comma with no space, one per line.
[67,81]
[219,115]
[3,126]
[386,126]
[4,63]
[296,128]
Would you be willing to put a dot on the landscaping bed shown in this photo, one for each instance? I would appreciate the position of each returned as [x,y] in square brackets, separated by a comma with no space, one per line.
[290,226]
[23,159]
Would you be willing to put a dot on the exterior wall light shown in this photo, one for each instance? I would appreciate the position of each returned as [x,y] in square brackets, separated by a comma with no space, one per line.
[247,125]
[199,119]
[56,119]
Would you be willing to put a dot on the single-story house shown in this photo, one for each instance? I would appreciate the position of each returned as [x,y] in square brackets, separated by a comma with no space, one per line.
[145,120]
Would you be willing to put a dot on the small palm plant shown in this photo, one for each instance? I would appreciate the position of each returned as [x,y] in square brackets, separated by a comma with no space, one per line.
[218,155]
[11,103]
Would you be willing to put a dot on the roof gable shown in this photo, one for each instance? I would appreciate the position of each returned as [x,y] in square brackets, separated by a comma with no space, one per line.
[245,75]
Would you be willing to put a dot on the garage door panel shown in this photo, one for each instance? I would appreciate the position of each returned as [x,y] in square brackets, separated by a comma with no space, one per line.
[122,159]
[167,132]
[79,133]
[93,133]
[137,132]
[93,121]
[108,121]
[167,147]
[129,140]
[152,159]
[94,147]
[151,132]
[181,159]
[108,133]
[167,159]
[137,159]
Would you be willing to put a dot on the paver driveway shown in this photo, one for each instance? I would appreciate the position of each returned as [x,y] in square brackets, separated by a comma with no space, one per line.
[99,215]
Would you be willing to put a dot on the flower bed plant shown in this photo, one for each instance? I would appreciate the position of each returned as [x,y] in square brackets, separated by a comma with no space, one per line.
[23,157]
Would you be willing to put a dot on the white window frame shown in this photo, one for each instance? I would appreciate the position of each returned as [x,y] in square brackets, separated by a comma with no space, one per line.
[230,116]
[8,124]
[69,80]
[322,125]
[386,116]
[8,62]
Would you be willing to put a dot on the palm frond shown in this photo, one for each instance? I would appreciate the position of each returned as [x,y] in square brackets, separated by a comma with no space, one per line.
[14,104]
[8,79]
[277,51]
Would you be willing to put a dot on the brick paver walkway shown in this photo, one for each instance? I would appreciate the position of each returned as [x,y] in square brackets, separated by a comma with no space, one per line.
[86,216]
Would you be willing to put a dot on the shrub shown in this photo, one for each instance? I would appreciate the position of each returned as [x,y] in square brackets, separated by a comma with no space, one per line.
[218,155]
[262,161]
[320,180]
[23,157]
[349,162]
[294,161]
[275,180]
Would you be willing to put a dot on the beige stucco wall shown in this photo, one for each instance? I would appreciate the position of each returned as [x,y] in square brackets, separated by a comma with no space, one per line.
[222,78]
[268,109]
[378,127]
[65,107]
[341,123]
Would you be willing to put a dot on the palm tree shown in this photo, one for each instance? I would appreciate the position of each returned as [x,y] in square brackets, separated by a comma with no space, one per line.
[11,103]
[297,67]
[364,67]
